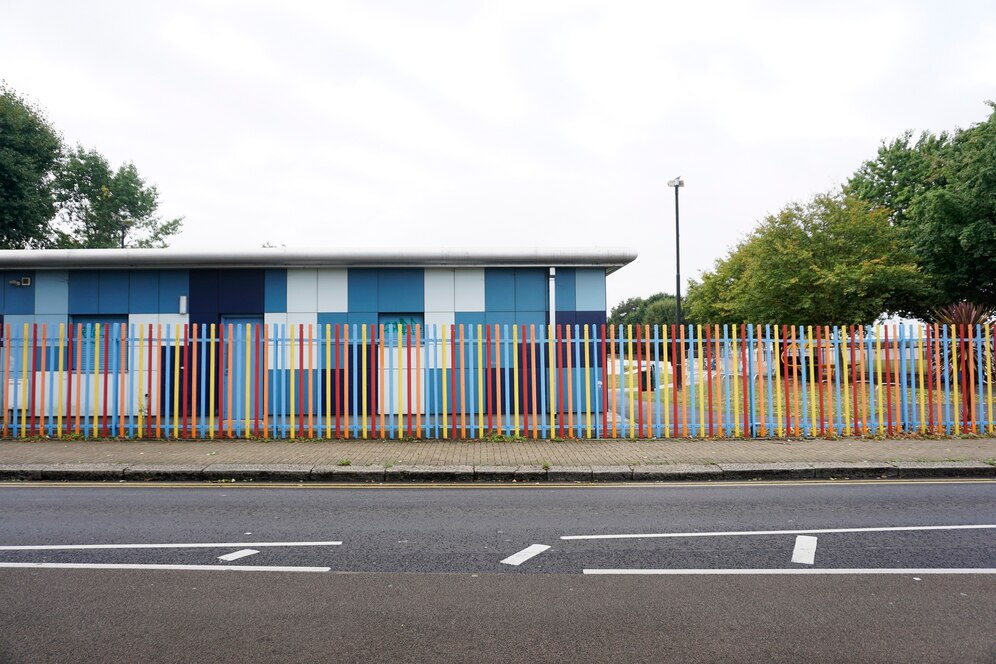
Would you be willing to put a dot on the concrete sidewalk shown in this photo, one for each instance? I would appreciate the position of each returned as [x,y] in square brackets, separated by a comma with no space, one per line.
[527,460]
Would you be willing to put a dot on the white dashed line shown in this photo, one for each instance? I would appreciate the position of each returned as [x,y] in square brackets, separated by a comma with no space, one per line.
[525,554]
[235,555]
[804,552]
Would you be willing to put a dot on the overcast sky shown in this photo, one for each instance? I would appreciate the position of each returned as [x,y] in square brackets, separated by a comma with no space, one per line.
[454,123]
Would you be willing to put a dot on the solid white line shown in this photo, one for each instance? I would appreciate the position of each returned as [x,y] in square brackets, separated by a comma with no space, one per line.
[814,531]
[196,545]
[235,555]
[231,568]
[797,570]
[804,552]
[525,554]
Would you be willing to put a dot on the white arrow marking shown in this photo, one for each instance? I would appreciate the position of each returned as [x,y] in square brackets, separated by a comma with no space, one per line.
[235,555]
[804,552]
[525,554]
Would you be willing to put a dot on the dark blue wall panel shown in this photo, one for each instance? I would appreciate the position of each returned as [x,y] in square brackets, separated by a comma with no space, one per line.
[203,302]
[526,318]
[172,284]
[400,290]
[143,292]
[590,317]
[531,289]
[334,318]
[275,300]
[362,290]
[468,318]
[84,285]
[114,292]
[566,289]
[18,299]
[499,289]
[241,292]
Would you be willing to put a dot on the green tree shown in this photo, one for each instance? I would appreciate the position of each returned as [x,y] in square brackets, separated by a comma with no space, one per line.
[833,260]
[942,189]
[658,309]
[29,154]
[101,207]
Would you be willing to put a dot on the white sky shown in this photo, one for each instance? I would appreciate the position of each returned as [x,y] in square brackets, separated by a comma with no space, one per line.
[456,123]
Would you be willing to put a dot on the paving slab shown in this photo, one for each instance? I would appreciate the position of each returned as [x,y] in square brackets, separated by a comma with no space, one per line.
[676,472]
[348,473]
[912,469]
[247,472]
[767,471]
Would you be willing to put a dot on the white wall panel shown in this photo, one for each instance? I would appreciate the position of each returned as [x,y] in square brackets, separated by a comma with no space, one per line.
[439,289]
[469,289]
[302,290]
[333,290]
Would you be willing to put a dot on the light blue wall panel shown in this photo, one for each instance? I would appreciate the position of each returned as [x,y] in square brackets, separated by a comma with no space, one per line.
[19,299]
[531,289]
[566,289]
[590,289]
[114,292]
[84,286]
[52,292]
[400,290]
[362,290]
[143,292]
[499,289]
[172,284]
[275,290]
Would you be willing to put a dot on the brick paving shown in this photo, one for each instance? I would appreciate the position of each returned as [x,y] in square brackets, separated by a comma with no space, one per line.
[487,453]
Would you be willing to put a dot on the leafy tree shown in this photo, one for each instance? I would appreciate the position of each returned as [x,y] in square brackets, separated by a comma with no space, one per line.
[833,260]
[658,309]
[101,207]
[29,154]
[943,190]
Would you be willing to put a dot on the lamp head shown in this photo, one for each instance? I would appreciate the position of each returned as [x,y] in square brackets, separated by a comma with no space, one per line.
[677,182]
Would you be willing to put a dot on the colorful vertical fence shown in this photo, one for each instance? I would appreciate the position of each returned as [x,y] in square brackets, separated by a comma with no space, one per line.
[465,382]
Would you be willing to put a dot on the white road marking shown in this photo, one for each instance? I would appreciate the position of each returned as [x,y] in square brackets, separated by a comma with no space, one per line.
[798,570]
[195,545]
[525,554]
[232,568]
[814,531]
[235,555]
[804,552]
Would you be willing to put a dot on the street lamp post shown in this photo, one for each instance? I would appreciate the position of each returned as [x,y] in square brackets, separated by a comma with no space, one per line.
[677,183]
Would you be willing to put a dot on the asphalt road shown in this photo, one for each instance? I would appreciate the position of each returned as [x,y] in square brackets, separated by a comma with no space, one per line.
[421,575]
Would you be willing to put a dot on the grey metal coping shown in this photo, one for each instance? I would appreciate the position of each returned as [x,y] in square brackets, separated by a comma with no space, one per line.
[53,259]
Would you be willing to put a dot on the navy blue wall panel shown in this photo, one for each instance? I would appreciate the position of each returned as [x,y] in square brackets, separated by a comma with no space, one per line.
[531,289]
[18,299]
[3,289]
[203,301]
[566,318]
[114,292]
[172,284]
[362,286]
[84,286]
[143,292]
[566,289]
[400,290]
[275,299]
[241,292]
[499,289]
[590,317]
